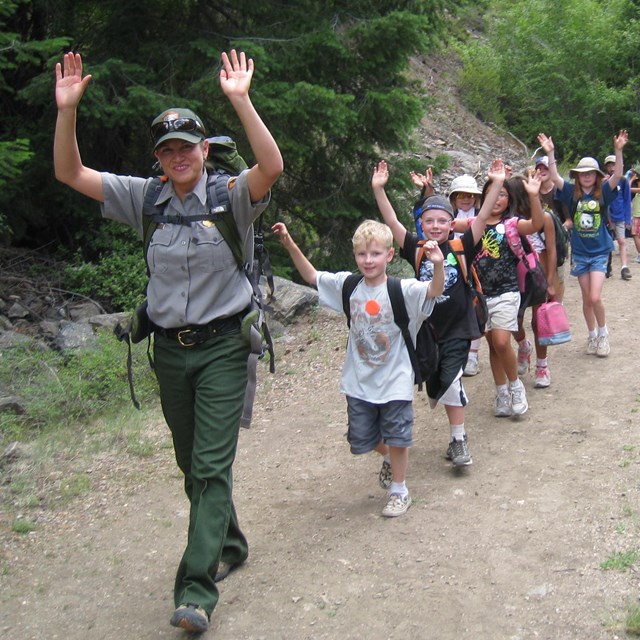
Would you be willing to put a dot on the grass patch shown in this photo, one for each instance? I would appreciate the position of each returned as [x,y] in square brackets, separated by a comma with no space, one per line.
[61,389]
[620,560]
[23,526]
[77,407]
[632,621]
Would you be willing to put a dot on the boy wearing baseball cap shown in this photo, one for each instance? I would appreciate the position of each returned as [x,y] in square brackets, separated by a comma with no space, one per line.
[453,319]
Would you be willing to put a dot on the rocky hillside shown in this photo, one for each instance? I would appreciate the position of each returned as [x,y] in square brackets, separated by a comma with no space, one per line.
[448,128]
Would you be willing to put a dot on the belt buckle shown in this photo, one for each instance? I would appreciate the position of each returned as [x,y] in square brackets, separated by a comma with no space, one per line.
[180,337]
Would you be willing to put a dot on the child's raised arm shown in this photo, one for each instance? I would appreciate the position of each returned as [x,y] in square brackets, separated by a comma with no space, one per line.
[532,186]
[424,182]
[497,175]
[378,182]
[434,254]
[302,264]
[549,148]
[619,142]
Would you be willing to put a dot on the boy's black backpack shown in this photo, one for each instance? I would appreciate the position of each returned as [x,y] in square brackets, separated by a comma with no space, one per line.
[251,257]
[424,356]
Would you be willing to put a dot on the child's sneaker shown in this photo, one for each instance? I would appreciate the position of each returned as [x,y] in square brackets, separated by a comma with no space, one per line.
[385,476]
[543,377]
[592,346]
[602,347]
[458,453]
[625,273]
[524,358]
[502,405]
[397,505]
[519,404]
[471,368]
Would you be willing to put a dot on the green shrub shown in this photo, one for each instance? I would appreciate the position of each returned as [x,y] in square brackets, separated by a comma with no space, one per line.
[479,81]
[110,269]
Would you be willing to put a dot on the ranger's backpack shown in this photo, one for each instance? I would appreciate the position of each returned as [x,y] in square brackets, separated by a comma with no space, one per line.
[251,257]
[424,356]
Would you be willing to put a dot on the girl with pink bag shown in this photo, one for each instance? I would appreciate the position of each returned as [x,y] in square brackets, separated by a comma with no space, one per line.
[496,265]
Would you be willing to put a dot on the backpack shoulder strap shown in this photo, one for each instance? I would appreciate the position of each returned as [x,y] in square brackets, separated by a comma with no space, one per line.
[458,250]
[219,203]
[348,288]
[150,209]
[513,237]
[419,256]
[401,318]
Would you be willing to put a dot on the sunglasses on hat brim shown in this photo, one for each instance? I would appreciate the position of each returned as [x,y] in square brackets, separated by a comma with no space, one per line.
[179,125]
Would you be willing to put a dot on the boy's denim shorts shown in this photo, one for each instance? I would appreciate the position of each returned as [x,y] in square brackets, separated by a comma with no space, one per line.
[586,264]
[370,423]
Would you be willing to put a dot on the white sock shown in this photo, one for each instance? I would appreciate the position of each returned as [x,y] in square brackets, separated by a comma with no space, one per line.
[399,488]
[502,389]
[541,362]
[473,355]
[387,458]
[603,331]
[457,431]
[514,384]
[593,334]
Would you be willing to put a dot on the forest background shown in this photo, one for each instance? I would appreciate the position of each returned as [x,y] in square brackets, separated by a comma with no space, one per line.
[333,82]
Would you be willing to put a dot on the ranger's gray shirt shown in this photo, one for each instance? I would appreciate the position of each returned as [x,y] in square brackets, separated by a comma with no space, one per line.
[194,277]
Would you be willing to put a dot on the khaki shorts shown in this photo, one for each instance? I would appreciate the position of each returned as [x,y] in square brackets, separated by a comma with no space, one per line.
[503,311]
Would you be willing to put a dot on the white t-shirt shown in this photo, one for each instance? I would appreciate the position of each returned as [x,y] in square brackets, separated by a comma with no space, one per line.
[377,367]
[464,215]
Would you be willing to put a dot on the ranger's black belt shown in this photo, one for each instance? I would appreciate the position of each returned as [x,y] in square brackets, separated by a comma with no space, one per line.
[194,334]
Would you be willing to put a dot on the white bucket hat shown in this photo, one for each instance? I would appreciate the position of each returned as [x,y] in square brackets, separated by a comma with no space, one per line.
[586,164]
[464,184]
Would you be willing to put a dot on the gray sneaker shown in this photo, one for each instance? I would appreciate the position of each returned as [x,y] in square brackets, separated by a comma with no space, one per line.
[502,405]
[625,273]
[519,404]
[592,346]
[458,453]
[385,476]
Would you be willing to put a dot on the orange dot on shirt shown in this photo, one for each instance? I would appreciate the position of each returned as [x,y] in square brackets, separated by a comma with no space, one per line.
[372,307]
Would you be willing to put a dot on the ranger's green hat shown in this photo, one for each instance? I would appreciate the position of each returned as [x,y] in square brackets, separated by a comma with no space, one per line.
[176,123]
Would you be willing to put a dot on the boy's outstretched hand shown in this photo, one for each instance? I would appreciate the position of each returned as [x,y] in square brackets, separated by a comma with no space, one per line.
[433,252]
[280,229]
[380,175]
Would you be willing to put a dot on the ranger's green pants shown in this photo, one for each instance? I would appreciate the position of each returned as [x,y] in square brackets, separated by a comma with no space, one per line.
[202,393]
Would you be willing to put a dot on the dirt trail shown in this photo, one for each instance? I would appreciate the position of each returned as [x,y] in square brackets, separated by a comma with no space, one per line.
[509,548]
